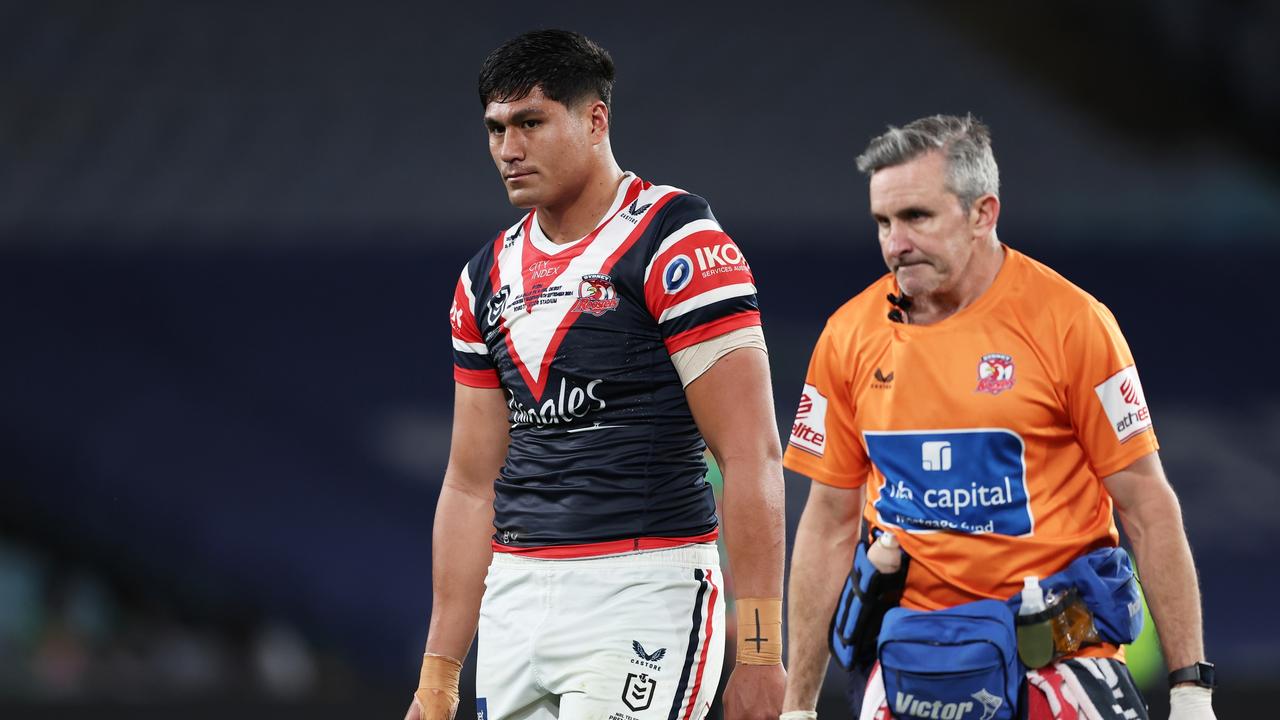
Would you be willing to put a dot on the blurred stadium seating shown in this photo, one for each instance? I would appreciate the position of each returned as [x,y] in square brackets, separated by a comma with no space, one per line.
[229,233]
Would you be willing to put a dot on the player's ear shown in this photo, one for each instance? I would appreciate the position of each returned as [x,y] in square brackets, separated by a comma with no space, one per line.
[598,120]
[984,214]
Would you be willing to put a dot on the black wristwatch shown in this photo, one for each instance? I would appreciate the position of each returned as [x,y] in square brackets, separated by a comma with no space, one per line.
[1202,674]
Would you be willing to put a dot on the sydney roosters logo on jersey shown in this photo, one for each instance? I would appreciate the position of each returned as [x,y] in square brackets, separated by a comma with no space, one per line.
[596,295]
[995,373]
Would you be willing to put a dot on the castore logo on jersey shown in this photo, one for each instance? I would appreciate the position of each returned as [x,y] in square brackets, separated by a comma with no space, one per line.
[636,210]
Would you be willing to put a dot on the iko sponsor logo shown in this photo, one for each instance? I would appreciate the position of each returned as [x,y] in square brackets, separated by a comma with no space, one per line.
[677,274]
[569,404]
[719,258]
[907,704]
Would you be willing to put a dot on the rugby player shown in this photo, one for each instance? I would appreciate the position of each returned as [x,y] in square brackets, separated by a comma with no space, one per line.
[601,343]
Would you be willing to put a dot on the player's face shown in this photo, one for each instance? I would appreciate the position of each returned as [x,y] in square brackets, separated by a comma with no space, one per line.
[926,237]
[542,148]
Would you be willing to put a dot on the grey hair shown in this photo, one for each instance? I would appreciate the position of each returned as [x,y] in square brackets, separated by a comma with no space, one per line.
[965,141]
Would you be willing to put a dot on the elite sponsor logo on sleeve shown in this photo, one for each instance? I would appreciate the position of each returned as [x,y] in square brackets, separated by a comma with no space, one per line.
[809,432]
[1124,403]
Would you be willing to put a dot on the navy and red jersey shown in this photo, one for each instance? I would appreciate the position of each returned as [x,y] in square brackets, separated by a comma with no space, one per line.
[604,452]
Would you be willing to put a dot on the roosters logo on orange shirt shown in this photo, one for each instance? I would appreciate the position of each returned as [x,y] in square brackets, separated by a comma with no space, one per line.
[995,373]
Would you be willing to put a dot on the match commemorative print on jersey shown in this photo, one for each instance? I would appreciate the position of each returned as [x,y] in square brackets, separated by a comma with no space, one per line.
[968,481]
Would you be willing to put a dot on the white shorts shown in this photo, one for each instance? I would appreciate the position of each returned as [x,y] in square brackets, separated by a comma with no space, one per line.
[625,637]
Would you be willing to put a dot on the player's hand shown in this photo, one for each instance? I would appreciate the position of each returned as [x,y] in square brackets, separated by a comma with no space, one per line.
[754,692]
[432,705]
[1190,702]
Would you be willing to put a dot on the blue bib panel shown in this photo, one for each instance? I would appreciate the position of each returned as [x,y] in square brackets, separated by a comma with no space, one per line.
[967,481]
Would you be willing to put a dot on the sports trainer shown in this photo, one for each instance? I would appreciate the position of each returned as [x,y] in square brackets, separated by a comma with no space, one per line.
[601,344]
[988,414]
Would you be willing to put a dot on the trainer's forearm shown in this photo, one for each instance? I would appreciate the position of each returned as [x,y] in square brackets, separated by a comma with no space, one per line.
[820,562]
[460,556]
[755,523]
[1168,576]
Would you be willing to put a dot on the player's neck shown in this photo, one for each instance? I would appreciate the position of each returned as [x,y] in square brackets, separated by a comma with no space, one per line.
[575,217]
[977,278]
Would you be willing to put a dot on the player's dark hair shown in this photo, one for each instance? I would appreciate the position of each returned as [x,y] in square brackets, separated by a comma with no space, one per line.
[568,67]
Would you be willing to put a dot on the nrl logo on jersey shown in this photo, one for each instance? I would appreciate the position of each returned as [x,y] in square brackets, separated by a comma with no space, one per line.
[596,295]
[498,303]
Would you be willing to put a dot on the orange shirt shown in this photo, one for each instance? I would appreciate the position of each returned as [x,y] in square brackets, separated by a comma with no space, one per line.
[981,439]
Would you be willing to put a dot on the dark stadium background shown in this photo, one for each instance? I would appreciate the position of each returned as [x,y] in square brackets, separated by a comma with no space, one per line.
[229,234]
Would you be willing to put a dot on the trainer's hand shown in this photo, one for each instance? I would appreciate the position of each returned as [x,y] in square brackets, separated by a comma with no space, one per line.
[432,705]
[754,692]
[1190,702]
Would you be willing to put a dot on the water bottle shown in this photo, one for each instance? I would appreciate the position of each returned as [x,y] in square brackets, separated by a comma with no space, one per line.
[1034,625]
